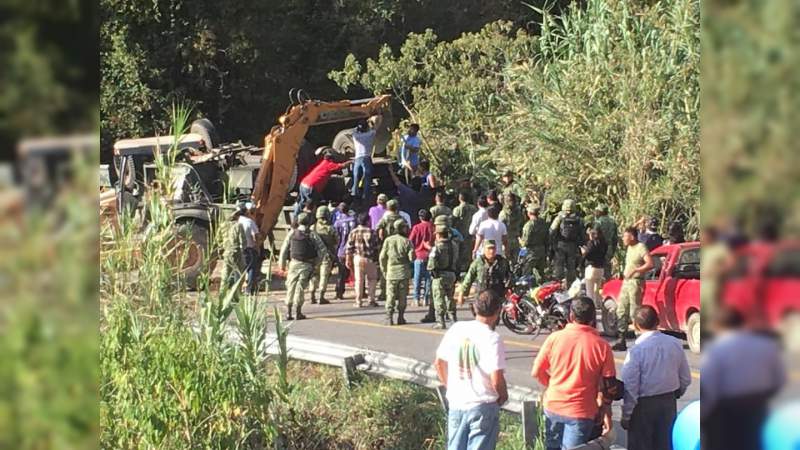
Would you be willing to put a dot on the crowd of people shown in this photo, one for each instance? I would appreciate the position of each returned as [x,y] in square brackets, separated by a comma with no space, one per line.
[420,243]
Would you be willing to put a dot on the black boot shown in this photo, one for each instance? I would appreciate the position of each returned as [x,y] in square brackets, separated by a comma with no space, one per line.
[621,345]
[299,315]
[453,316]
[313,298]
[289,313]
[323,301]
[389,320]
[401,320]
[440,323]
[430,317]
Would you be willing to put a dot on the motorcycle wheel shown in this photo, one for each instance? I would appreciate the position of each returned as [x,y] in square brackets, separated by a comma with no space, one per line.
[527,322]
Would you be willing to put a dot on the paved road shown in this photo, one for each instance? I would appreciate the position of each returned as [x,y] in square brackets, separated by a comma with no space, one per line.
[342,323]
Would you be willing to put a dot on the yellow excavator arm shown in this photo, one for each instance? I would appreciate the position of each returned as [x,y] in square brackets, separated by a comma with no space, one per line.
[283,142]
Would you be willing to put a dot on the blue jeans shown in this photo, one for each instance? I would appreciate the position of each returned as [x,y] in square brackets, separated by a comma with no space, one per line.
[473,429]
[304,196]
[362,170]
[253,261]
[422,276]
[565,432]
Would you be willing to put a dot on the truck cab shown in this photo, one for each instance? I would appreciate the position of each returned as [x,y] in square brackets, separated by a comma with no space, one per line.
[672,287]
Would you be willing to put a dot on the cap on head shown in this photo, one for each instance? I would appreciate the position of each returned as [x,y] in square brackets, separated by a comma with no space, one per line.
[392,204]
[442,219]
[304,219]
[322,212]
[568,205]
[400,224]
[601,208]
[489,244]
[442,228]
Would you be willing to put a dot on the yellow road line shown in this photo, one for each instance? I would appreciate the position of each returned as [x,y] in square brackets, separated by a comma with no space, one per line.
[510,342]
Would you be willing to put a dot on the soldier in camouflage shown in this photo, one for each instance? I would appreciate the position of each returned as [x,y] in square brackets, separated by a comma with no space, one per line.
[462,217]
[325,230]
[489,271]
[385,226]
[303,249]
[233,251]
[608,228]
[568,233]
[536,240]
[511,216]
[397,255]
[440,209]
[442,267]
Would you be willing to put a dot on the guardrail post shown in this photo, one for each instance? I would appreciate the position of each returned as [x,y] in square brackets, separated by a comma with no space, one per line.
[530,423]
[349,367]
[441,392]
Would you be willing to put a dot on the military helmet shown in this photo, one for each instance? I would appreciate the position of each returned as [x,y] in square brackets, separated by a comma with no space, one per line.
[489,244]
[392,204]
[568,205]
[304,219]
[442,219]
[533,208]
[400,224]
[322,212]
[442,229]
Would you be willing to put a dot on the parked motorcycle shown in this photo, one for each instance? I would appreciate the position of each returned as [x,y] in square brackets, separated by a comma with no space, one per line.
[528,310]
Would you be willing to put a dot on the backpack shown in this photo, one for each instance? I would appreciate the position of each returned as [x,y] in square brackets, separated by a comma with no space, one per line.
[302,248]
[570,228]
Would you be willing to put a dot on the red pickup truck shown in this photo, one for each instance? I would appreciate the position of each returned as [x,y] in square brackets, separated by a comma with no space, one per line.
[764,285]
[672,287]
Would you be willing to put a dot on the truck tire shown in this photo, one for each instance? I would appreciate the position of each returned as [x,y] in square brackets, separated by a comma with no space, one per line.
[206,129]
[693,332]
[193,240]
[343,142]
[609,315]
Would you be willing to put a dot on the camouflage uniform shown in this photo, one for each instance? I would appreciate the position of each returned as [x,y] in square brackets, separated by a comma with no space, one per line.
[495,275]
[233,254]
[536,239]
[462,216]
[386,228]
[632,290]
[442,266]
[511,216]
[608,226]
[440,210]
[331,239]
[300,272]
[566,252]
[397,255]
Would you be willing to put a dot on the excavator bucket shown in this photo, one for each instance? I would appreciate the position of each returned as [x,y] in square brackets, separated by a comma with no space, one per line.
[284,140]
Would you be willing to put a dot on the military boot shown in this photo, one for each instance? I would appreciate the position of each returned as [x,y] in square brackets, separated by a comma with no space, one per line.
[313,298]
[389,320]
[620,346]
[430,317]
[440,323]
[300,315]
[323,300]
[401,320]
[453,316]
[289,312]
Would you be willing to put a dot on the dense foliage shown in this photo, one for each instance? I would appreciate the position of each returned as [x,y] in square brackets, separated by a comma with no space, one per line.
[601,106]
[236,60]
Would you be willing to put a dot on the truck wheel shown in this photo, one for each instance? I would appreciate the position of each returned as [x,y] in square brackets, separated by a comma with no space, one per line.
[693,332]
[609,315]
[192,249]
[206,129]
[343,143]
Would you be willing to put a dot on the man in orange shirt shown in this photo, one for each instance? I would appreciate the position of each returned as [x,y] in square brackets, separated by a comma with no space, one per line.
[575,365]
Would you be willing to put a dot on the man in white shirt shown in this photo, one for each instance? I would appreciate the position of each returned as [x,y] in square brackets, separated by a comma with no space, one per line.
[363,141]
[492,229]
[656,373]
[470,362]
[252,256]
[479,216]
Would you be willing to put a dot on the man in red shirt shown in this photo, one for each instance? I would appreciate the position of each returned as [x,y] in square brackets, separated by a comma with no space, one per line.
[314,181]
[576,367]
[422,236]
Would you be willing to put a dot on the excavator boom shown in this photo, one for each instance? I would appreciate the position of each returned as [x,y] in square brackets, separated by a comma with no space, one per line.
[283,142]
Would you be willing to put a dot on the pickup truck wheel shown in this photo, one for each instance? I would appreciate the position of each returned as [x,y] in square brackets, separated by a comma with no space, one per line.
[693,332]
[609,317]
[206,129]
[343,143]
[192,248]
[790,328]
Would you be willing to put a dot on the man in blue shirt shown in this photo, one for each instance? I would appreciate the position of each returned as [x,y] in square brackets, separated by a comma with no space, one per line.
[363,141]
[409,151]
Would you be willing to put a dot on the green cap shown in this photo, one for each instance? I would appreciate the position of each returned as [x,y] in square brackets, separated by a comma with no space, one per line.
[393,204]
[568,205]
[442,219]
[322,212]
[400,224]
[442,228]
[489,244]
